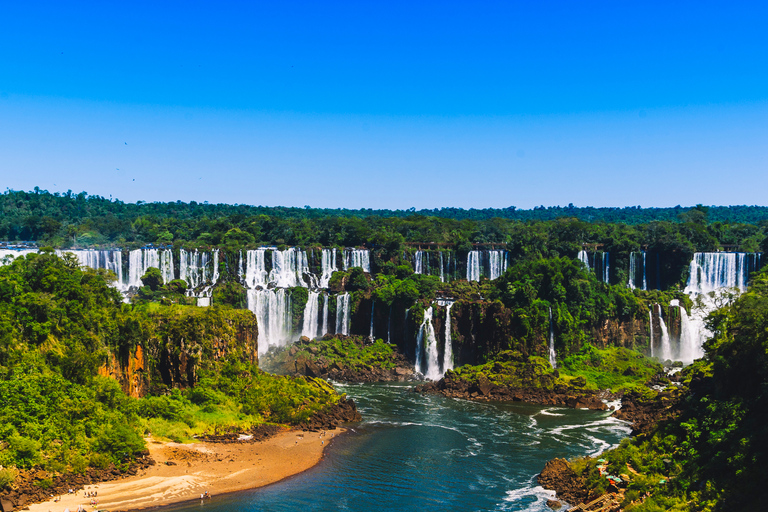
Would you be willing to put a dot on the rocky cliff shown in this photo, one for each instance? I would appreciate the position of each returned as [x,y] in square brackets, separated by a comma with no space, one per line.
[178,341]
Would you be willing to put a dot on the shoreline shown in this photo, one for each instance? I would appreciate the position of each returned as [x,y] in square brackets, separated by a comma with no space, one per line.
[184,471]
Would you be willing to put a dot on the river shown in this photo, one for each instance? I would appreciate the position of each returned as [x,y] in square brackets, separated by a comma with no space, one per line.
[421,453]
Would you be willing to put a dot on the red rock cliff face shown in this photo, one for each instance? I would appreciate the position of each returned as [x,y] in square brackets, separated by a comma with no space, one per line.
[132,375]
[182,342]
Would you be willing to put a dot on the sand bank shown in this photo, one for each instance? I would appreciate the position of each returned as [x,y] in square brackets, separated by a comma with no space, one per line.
[199,467]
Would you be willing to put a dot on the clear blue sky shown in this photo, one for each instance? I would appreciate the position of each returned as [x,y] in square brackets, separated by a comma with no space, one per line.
[388,104]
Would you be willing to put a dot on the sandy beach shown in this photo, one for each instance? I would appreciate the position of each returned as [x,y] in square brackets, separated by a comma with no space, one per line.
[184,471]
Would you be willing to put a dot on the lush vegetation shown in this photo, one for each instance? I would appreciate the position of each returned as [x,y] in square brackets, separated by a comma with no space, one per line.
[350,352]
[615,368]
[714,454]
[69,219]
[61,326]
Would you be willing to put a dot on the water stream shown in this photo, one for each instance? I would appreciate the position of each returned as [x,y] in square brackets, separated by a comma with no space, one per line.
[421,453]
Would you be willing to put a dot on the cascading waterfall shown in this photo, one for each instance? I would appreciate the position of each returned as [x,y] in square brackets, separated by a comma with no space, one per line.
[426,349]
[326,314]
[418,263]
[666,345]
[448,350]
[311,322]
[606,267]
[447,266]
[633,270]
[289,267]
[255,269]
[710,275]
[552,354]
[473,265]
[343,318]
[13,253]
[110,260]
[357,258]
[199,269]
[327,266]
[273,313]
[584,258]
[139,260]
[645,282]
[373,303]
[689,349]
[497,261]
[650,326]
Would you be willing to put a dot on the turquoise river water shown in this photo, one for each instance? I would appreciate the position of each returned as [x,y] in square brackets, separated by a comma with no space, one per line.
[421,453]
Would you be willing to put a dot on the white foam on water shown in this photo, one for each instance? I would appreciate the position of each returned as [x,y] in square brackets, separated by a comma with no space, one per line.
[534,496]
[546,412]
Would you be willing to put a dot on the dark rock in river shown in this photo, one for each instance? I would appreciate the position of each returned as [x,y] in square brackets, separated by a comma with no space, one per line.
[560,477]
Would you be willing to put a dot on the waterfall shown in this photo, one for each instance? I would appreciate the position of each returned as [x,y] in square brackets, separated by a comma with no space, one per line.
[473,265]
[418,262]
[199,269]
[326,313]
[389,325]
[497,263]
[110,260]
[289,267]
[552,354]
[255,269]
[311,316]
[343,314]
[666,346]
[633,270]
[13,254]
[713,271]
[650,325]
[606,267]
[448,349]
[357,258]
[373,303]
[426,349]
[710,274]
[446,274]
[689,347]
[584,258]
[273,314]
[405,325]
[328,266]
[139,260]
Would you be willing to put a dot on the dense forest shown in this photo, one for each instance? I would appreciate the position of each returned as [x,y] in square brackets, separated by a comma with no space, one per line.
[64,220]
[64,331]
[86,372]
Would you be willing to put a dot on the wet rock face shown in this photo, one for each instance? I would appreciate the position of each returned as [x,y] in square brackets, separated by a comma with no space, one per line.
[485,390]
[646,414]
[344,411]
[558,475]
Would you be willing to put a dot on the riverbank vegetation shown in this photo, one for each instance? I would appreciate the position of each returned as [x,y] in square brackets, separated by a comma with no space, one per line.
[713,455]
[84,377]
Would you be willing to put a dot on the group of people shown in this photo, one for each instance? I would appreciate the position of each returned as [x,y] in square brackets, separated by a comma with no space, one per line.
[87,494]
